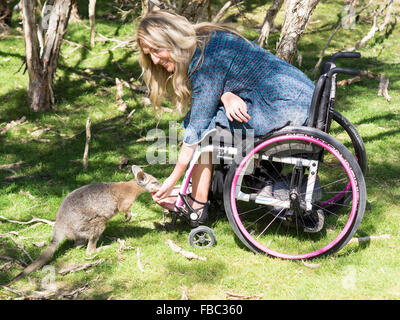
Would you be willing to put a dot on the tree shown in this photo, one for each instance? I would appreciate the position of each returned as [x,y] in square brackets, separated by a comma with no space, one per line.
[297,15]
[5,14]
[191,9]
[92,7]
[42,45]
[269,22]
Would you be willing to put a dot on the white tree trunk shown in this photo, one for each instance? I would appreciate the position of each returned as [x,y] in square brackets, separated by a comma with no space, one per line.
[92,8]
[42,55]
[297,15]
[269,22]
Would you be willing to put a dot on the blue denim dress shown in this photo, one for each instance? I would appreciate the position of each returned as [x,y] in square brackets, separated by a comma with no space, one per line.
[275,91]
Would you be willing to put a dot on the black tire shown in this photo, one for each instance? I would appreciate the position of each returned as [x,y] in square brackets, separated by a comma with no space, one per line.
[356,140]
[247,224]
[342,130]
[201,237]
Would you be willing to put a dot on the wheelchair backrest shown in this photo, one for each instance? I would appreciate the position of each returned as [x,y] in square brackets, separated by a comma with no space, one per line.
[324,95]
[323,99]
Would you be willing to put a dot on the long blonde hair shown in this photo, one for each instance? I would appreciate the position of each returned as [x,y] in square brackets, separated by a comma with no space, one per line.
[175,33]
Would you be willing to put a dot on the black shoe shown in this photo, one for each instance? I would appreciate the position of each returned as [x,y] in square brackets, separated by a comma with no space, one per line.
[196,216]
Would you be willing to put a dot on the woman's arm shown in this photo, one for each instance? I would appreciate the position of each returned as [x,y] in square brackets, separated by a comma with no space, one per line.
[185,155]
[235,107]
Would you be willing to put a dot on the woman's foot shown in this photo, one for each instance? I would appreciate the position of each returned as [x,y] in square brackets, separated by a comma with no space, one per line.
[198,210]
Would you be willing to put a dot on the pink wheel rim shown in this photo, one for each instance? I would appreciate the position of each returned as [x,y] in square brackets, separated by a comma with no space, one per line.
[304,255]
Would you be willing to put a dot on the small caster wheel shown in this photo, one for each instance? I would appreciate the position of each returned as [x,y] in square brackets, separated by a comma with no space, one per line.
[201,237]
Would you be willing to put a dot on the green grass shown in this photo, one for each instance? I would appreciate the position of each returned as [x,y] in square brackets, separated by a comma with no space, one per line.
[365,271]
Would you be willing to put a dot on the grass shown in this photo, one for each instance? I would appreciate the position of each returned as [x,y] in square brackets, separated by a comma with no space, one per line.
[358,271]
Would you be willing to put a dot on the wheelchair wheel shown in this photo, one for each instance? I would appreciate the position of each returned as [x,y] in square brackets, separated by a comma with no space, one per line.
[287,214]
[201,237]
[340,130]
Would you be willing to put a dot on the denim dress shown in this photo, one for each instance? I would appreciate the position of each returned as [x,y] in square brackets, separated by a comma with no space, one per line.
[276,93]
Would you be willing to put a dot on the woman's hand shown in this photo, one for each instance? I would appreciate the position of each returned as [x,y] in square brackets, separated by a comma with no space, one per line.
[235,107]
[165,189]
[185,155]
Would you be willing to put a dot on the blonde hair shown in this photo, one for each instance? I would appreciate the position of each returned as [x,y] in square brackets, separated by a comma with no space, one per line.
[175,33]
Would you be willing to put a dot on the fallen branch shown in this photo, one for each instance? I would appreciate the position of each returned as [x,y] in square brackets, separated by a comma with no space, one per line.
[369,238]
[374,27]
[13,167]
[6,266]
[120,43]
[129,117]
[37,133]
[383,82]
[118,66]
[120,92]
[73,267]
[185,293]
[35,176]
[139,263]
[122,246]
[11,290]
[59,294]
[77,45]
[133,87]
[12,124]
[311,265]
[383,87]
[34,140]
[239,296]
[186,254]
[88,137]
[19,246]
[34,219]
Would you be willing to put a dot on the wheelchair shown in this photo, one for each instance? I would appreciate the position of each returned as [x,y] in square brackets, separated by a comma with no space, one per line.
[295,193]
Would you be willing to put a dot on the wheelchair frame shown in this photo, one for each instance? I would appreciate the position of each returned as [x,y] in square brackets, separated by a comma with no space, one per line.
[320,118]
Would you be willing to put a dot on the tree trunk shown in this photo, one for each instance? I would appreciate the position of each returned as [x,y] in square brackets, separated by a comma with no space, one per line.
[92,7]
[269,22]
[5,13]
[74,16]
[297,14]
[193,9]
[42,60]
[222,11]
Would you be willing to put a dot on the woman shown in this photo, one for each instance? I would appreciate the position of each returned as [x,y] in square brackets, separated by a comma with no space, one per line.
[229,82]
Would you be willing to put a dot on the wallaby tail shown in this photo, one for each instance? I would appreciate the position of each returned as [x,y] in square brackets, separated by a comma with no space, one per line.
[41,261]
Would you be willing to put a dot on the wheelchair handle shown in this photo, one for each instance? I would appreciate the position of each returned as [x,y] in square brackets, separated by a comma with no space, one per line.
[345,54]
[349,71]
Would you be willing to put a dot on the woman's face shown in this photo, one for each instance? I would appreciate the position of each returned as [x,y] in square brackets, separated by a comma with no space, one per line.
[158,55]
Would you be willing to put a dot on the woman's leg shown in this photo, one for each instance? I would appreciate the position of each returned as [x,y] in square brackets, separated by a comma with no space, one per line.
[201,179]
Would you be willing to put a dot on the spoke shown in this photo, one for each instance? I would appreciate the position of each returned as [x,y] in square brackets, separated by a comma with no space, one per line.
[251,210]
[324,209]
[270,223]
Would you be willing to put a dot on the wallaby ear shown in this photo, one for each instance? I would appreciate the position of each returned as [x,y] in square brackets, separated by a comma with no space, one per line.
[142,178]
[136,170]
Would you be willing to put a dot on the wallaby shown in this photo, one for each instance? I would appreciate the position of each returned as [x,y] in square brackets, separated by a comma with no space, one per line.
[84,212]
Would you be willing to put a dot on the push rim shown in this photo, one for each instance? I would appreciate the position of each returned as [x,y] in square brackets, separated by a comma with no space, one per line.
[265,241]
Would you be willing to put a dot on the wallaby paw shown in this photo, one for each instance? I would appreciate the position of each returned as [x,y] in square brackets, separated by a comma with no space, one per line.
[128,217]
